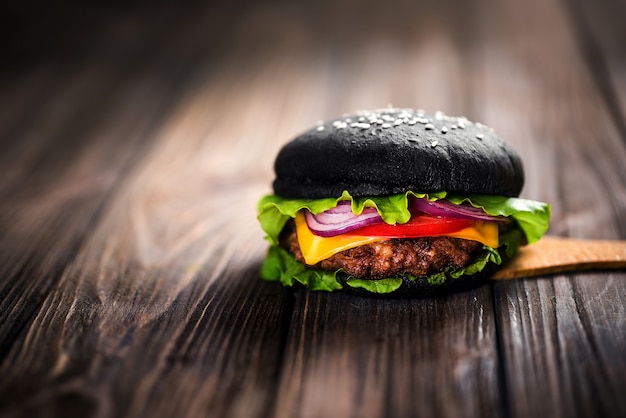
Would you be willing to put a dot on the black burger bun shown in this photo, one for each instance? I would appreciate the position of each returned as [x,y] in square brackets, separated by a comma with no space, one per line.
[389,151]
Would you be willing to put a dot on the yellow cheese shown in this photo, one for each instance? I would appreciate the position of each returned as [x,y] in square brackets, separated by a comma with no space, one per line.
[484,232]
[315,248]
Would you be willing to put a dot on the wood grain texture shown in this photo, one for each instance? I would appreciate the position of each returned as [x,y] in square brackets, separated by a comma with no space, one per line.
[601,41]
[548,328]
[107,286]
[349,356]
[132,159]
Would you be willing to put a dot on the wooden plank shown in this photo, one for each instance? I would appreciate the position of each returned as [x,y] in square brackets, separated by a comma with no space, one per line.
[76,138]
[162,311]
[602,37]
[38,236]
[562,349]
[164,343]
[350,356]
[159,310]
[90,324]
[560,337]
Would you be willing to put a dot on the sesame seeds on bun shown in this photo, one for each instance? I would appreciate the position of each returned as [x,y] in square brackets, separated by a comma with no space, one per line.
[387,151]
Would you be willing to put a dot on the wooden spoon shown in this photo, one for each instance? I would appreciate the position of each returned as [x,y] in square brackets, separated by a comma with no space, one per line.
[557,255]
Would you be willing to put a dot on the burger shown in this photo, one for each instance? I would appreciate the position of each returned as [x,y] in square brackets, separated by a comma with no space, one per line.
[396,202]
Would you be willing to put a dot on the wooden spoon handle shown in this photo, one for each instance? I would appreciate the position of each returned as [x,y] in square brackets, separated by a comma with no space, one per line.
[556,255]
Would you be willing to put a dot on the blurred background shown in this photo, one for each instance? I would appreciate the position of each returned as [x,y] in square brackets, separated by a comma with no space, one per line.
[201,95]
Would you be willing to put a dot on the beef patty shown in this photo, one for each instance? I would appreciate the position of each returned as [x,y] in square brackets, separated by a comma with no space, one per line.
[417,256]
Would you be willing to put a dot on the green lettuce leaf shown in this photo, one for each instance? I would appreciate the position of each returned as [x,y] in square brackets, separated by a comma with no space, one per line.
[376,286]
[531,216]
[280,265]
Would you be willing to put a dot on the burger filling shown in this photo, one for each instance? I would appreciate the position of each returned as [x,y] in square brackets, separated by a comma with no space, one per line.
[388,258]
[380,241]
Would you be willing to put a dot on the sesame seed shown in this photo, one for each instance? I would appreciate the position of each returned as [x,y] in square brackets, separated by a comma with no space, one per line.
[412,122]
[444,130]
[434,144]
[429,126]
[453,127]
[480,136]
[397,122]
[320,128]
[361,118]
[364,125]
[386,125]
[461,125]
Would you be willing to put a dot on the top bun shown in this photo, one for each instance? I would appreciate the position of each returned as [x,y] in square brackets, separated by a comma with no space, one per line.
[389,151]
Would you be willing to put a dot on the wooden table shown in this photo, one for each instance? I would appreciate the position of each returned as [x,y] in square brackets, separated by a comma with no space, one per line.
[137,138]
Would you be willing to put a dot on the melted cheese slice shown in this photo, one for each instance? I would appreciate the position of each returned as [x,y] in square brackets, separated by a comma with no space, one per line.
[315,248]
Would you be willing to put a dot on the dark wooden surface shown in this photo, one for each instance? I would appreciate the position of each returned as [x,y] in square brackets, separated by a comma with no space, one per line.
[137,138]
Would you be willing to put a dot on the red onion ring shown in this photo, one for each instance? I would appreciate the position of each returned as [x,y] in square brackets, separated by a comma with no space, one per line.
[450,210]
[340,219]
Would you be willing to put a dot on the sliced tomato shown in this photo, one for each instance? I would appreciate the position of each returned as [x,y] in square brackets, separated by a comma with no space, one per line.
[418,226]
